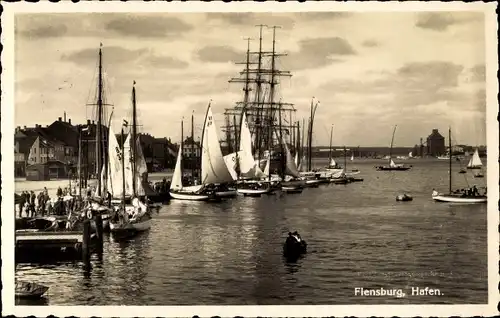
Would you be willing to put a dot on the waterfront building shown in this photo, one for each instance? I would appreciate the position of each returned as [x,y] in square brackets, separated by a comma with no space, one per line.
[436,144]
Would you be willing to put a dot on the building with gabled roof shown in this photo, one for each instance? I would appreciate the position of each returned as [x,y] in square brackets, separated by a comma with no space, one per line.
[436,144]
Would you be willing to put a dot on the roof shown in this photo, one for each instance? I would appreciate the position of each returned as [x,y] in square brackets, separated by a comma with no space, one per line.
[25,143]
[64,132]
[435,135]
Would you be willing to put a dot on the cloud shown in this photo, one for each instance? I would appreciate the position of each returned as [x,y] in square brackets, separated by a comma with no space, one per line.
[159,61]
[219,54]
[314,53]
[412,84]
[147,26]
[478,73]
[252,19]
[112,54]
[370,43]
[315,16]
[441,21]
[48,31]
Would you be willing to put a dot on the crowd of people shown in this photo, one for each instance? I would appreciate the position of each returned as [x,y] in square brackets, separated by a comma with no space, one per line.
[66,201]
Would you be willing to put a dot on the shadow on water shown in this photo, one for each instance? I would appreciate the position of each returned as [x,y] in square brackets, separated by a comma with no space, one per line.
[42,301]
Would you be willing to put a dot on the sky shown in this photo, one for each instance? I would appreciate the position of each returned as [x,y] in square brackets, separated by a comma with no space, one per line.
[370,71]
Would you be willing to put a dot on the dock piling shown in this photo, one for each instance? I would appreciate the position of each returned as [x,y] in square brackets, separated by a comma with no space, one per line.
[86,245]
[99,233]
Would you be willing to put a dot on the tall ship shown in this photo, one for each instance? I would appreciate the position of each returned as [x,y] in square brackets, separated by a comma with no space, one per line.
[269,119]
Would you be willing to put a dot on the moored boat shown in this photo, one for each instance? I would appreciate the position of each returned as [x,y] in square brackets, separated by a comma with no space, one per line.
[30,290]
[470,195]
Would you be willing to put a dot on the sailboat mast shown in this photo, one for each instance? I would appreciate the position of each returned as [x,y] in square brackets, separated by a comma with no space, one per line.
[134,137]
[193,158]
[392,142]
[345,159]
[330,152]
[80,162]
[237,168]
[297,141]
[282,141]
[123,170]
[99,120]
[449,143]
[182,143]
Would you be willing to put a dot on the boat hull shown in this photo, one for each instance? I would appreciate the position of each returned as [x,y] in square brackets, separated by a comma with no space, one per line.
[135,227]
[292,189]
[30,290]
[226,194]
[458,199]
[189,196]
[253,192]
[382,168]
[474,167]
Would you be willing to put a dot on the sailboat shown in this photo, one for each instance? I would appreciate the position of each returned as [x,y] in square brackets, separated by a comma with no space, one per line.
[180,192]
[215,174]
[458,196]
[393,166]
[475,161]
[125,220]
[243,167]
[294,183]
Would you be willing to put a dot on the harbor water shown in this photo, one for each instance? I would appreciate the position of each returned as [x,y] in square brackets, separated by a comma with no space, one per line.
[230,253]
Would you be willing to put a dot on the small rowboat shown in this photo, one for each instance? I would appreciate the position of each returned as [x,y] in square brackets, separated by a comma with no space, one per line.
[30,290]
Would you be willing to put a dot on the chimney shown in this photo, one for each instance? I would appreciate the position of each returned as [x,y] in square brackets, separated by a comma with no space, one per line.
[64,116]
[60,118]
[88,122]
[434,131]
[69,121]
[93,123]
[25,127]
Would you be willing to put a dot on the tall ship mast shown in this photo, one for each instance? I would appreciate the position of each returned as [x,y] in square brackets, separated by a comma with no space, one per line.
[261,79]
[101,135]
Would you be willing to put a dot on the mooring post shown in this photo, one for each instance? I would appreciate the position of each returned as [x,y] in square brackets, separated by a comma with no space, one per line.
[86,245]
[99,233]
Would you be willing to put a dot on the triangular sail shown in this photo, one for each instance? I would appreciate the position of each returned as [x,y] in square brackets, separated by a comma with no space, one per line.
[333,163]
[392,164]
[213,166]
[291,168]
[141,167]
[115,178]
[296,159]
[127,146]
[244,157]
[352,157]
[176,183]
[267,167]
[475,161]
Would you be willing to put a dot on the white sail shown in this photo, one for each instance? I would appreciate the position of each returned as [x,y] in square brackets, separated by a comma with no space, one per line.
[268,166]
[291,168]
[333,163]
[176,183]
[213,166]
[410,154]
[296,159]
[352,157]
[115,177]
[475,161]
[127,146]
[243,159]
[141,169]
[392,164]
[247,165]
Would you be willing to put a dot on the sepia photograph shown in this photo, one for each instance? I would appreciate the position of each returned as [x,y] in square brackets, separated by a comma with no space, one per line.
[328,156]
